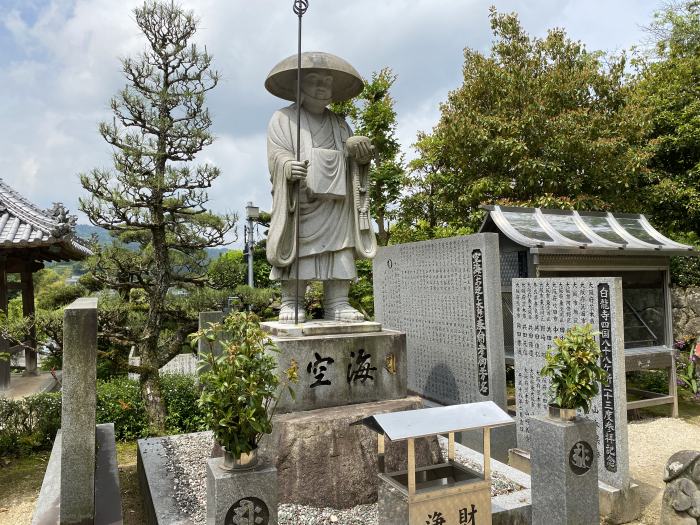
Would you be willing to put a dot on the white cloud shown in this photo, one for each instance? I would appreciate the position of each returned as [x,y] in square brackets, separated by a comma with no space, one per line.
[60,67]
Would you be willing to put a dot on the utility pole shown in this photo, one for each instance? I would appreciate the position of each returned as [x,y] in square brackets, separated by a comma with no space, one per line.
[251,213]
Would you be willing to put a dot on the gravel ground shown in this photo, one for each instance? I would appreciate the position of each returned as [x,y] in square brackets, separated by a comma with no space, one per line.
[651,443]
[187,455]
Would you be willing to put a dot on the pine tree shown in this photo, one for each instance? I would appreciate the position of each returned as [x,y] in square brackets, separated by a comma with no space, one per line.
[154,199]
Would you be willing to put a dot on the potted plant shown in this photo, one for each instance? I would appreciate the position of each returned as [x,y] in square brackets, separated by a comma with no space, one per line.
[240,387]
[573,366]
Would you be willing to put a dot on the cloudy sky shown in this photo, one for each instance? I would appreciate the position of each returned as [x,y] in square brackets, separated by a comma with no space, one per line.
[59,67]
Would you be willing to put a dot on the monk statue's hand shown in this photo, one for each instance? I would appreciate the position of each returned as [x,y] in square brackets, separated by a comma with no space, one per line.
[298,170]
[360,149]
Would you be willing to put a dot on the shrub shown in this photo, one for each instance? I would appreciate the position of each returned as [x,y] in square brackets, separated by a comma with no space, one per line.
[240,387]
[29,424]
[119,402]
[573,366]
[181,394]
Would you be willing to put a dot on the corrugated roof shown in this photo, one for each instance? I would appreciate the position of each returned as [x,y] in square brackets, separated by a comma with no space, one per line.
[24,225]
[423,422]
[568,229]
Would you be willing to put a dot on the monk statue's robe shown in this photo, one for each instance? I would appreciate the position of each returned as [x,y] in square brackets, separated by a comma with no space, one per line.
[333,228]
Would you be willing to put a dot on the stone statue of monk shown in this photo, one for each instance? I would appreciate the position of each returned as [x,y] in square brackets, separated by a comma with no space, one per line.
[334,222]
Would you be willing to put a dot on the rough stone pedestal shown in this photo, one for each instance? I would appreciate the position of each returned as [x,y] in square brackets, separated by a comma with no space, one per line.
[322,461]
[245,496]
[564,469]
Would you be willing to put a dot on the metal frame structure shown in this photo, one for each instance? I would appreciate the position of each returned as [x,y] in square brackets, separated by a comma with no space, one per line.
[559,243]
[450,486]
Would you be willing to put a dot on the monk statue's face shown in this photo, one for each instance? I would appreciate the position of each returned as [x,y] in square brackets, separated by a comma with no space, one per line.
[317,87]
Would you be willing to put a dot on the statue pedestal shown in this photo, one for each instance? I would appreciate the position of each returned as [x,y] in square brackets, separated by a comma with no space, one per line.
[319,327]
[355,363]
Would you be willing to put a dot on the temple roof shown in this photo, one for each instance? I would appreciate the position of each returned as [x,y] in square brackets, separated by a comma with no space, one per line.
[545,231]
[41,235]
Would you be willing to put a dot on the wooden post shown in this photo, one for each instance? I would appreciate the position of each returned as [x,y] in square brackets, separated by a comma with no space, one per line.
[487,453]
[411,468]
[4,344]
[451,446]
[30,360]
[380,453]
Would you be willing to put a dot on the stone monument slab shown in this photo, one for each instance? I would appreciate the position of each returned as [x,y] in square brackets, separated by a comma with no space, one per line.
[78,411]
[342,369]
[445,295]
[544,309]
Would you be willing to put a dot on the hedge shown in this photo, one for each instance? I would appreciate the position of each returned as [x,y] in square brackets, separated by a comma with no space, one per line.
[31,423]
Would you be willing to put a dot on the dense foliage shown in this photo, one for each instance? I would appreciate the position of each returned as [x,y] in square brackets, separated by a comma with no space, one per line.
[666,96]
[572,365]
[373,115]
[31,423]
[153,202]
[240,386]
[535,122]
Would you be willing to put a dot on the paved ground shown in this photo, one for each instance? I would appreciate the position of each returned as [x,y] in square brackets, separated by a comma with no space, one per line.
[651,443]
[21,386]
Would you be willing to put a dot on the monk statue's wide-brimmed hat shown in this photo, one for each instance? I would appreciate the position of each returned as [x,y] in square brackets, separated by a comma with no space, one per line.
[282,80]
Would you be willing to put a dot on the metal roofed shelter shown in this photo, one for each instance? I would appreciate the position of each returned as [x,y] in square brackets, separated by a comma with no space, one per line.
[536,242]
[29,237]
[448,490]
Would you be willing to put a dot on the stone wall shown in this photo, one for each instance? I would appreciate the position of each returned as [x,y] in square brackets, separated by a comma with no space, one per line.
[686,311]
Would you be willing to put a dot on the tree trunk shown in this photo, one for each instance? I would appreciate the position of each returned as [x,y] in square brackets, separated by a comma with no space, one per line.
[382,234]
[153,401]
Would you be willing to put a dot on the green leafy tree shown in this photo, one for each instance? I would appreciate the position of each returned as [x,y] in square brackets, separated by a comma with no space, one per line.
[228,270]
[373,115]
[154,199]
[666,96]
[535,122]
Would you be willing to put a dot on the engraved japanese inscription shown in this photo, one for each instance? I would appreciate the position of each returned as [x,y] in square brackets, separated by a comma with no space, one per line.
[544,309]
[445,295]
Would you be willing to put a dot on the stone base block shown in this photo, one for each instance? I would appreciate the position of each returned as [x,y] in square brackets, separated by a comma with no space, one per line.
[502,440]
[564,472]
[616,505]
[324,462]
[319,327]
[246,496]
[519,459]
[619,505]
[108,511]
[339,370]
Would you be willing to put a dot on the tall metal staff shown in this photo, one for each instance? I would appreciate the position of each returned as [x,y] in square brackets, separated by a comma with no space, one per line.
[300,7]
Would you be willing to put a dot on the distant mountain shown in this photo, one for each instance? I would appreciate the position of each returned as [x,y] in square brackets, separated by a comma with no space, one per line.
[87,230]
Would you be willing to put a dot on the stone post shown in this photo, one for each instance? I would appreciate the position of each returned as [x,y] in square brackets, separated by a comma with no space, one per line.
[245,496]
[564,472]
[78,412]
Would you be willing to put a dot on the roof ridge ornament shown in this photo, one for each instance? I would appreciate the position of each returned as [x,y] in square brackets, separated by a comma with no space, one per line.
[64,223]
